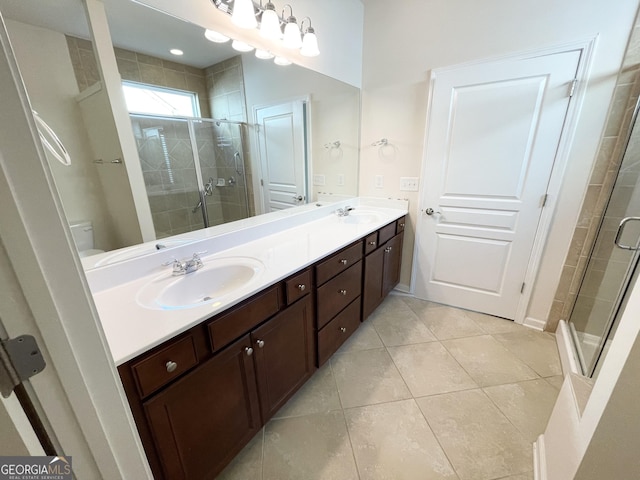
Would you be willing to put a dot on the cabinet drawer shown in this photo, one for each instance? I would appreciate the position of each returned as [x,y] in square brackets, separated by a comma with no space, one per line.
[400,224]
[228,327]
[161,367]
[386,233]
[298,286]
[338,262]
[370,243]
[336,332]
[339,292]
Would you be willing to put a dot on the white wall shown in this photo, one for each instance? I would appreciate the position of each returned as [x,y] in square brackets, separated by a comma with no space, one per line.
[43,58]
[403,43]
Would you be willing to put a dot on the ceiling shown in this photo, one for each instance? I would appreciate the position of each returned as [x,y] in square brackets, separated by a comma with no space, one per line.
[132,26]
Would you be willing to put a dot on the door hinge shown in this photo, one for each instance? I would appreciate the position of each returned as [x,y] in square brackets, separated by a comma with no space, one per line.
[20,359]
[572,87]
[544,199]
[522,288]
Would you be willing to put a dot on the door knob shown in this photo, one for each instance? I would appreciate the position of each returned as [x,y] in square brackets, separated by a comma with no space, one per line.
[298,198]
[431,211]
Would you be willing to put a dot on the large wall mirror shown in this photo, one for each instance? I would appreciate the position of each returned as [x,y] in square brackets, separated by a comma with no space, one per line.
[211,165]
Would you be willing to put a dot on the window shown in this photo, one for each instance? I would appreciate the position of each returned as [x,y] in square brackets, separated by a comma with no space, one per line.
[150,99]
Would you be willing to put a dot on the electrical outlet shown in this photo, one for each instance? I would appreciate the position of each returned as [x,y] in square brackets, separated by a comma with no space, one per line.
[409,184]
[319,180]
[340,181]
[379,181]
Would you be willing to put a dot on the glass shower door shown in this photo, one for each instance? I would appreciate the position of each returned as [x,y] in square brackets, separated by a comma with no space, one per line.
[611,265]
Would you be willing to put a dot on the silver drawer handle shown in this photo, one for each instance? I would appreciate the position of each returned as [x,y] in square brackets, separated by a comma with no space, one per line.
[301,287]
[171,366]
[388,249]
[248,351]
[342,292]
[343,330]
[260,343]
[373,244]
[402,225]
[343,261]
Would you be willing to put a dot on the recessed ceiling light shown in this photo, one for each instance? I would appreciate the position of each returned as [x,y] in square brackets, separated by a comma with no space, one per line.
[176,51]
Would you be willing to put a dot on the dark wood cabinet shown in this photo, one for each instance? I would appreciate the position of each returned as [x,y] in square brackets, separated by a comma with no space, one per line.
[391,265]
[204,419]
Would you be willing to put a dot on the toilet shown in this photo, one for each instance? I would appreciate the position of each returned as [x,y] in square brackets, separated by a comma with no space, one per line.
[82,232]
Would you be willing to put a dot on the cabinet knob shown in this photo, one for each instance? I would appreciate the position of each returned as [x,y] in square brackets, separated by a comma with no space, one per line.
[402,225]
[388,249]
[260,343]
[343,330]
[302,287]
[343,261]
[171,366]
[372,243]
[248,351]
[342,292]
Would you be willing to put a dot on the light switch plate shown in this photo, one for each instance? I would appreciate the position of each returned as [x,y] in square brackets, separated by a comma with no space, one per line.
[409,184]
[319,180]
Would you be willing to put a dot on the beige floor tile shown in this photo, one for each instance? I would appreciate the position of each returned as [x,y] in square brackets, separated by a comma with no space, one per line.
[527,405]
[555,381]
[522,476]
[537,349]
[318,395]
[491,324]
[247,465]
[428,369]
[364,338]
[487,361]
[478,439]
[397,324]
[367,377]
[419,306]
[393,441]
[448,322]
[313,447]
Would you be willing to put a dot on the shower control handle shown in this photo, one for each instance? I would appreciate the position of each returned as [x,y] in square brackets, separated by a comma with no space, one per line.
[623,223]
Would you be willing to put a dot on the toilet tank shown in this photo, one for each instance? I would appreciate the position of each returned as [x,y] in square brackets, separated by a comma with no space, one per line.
[82,231]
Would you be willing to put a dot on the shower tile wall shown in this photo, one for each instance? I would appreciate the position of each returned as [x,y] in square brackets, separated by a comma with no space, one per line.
[601,183]
[168,167]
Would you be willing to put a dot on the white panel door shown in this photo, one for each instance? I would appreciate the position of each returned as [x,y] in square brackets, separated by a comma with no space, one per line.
[281,133]
[492,136]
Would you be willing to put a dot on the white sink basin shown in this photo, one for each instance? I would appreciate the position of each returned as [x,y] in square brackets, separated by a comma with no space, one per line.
[357,217]
[218,279]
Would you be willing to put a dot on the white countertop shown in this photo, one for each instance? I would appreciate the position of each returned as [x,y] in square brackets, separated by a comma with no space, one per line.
[283,247]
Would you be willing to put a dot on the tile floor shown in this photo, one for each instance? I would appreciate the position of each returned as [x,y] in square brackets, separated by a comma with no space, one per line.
[421,391]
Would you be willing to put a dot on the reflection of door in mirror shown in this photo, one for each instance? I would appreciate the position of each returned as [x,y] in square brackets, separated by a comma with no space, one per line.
[282,135]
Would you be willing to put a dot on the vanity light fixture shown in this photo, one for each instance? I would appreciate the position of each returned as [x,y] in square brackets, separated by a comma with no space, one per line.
[263,54]
[241,46]
[309,40]
[282,61]
[244,15]
[270,22]
[292,36]
[216,37]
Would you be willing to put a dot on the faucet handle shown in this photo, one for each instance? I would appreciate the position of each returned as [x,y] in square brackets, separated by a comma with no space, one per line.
[178,266]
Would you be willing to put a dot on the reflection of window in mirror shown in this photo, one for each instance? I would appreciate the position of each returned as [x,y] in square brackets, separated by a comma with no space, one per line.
[154,100]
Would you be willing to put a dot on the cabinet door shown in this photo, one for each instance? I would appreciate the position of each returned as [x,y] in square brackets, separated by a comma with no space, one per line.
[392,262]
[372,285]
[284,355]
[204,419]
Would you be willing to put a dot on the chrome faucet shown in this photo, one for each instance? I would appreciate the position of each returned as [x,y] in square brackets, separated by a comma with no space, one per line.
[182,267]
[343,212]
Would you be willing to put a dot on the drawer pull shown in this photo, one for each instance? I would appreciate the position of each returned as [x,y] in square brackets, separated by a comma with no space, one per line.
[342,292]
[302,287]
[171,366]
[402,225]
[343,330]
[343,261]
[388,249]
[372,243]
[248,351]
[260,343]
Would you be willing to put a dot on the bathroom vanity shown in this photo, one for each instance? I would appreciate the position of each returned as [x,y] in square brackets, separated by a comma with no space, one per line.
[200,392]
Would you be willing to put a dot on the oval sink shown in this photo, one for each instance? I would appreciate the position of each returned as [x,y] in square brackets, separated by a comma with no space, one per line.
[216,280]
[360,217]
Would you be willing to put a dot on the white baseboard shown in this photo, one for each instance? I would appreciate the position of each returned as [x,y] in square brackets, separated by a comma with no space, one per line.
[534,323]
[539,459]
[402,288]
[565,349]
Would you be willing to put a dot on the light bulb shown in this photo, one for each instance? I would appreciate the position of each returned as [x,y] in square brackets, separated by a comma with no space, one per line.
[216,37]
[292,37]
[263,54]
[310,44]
[243,14]
[270,23]
[282,61]
[241,46]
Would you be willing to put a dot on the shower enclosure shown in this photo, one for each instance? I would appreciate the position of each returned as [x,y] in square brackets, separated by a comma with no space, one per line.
[612,266]
[195,171]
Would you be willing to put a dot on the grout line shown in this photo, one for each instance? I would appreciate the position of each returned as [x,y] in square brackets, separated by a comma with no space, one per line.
[264,428]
